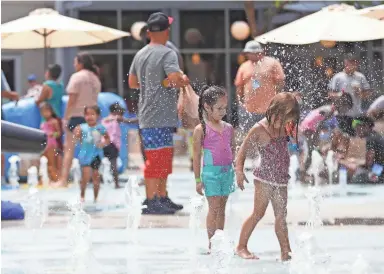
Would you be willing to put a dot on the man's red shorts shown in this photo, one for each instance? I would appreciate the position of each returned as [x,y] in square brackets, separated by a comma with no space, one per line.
[158,145]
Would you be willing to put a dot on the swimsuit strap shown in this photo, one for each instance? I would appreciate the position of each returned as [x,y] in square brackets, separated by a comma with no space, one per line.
[266,130]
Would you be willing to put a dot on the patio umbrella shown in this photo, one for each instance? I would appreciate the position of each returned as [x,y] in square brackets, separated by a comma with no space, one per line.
[376,12]
[46,28]
[333,23]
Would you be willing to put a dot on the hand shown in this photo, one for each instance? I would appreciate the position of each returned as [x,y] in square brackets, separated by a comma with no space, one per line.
[199,188]
[14,96]
[240,177]
[185,79]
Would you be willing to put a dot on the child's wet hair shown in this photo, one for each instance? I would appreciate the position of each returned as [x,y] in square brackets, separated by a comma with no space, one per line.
[284,106]
[94,108]
[116,107]
[46,105]
[209,95]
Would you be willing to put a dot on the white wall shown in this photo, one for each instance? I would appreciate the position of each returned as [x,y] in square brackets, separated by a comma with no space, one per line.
[32,61]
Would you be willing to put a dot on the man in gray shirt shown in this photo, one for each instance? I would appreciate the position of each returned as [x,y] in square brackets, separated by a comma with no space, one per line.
[350,81]
[155,71]
[354,83]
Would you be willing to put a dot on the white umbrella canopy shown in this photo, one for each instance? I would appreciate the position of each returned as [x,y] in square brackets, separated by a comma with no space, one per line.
[46,28]
[333,23]
[376,12]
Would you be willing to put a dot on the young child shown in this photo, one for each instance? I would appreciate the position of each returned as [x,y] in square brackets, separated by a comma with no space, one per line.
[112,124]
[216,139]
[52,129]
[314,127]
[92,137]
[270,138]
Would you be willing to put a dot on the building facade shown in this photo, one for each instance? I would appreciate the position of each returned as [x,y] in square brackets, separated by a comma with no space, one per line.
[201,30]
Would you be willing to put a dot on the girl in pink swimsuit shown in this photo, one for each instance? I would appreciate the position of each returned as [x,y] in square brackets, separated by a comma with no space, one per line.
[270,138]
[213,140]
[52,128]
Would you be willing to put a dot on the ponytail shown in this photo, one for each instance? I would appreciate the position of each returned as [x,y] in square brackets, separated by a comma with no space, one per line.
[201,113]
[202,100]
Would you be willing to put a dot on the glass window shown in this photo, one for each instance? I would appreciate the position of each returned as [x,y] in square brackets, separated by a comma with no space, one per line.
[202,29]
[205,69]
[378,71]
[107,64]
[238,15]
[104,18]
[128,19]
[131,96]
[8,67]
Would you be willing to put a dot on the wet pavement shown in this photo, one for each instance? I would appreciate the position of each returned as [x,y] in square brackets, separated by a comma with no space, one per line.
[163,242]
[168,251]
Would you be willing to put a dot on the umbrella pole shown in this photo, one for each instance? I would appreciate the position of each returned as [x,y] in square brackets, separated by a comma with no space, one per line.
[45,50]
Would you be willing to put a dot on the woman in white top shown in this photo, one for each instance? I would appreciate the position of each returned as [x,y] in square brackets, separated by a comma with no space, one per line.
[83,89]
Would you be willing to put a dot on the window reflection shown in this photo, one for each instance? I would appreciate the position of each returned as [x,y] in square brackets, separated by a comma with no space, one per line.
[108,71]
[205,69]
[128,19]
[202,29]
[131,96]
[104,18]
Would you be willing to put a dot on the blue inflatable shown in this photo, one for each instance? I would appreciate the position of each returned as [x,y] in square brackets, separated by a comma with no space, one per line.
[26,113]
[11,211]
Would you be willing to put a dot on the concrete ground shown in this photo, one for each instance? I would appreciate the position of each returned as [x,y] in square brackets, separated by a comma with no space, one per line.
[353,219]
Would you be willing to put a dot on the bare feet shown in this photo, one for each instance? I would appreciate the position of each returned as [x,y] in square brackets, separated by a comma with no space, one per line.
[286,256]
[245,254]
[59,184]
[82,200]
[117,186]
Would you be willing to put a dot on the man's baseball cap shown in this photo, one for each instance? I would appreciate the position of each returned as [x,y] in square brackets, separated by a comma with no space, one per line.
[32,77]
[158,21]
[351,57]
[253,47]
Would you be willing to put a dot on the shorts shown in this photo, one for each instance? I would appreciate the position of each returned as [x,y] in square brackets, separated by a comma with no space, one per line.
[74,122]
[345,124]
[111,152]
[158,147]
[95,164]
[218,180]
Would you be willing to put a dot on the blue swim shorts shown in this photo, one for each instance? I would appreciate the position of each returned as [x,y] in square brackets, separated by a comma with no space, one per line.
[218,180]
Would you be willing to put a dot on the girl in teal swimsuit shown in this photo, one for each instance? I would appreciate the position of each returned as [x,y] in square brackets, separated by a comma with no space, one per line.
[93,137]
[215,138]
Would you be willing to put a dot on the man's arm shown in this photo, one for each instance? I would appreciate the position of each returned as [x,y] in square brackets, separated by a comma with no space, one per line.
[171,67]
[365,90]
[239,83]
[279,77]
[45,94]
[133,81]
[333,88]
